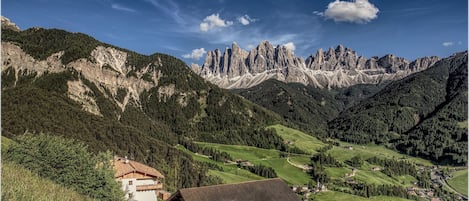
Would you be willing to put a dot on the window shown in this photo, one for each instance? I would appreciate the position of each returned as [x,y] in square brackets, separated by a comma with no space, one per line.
[130,182]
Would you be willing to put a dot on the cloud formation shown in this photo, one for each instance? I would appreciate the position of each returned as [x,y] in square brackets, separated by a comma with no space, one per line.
[213,21]
[356,11]
[447,44]
[290,46]
[245,20]
[122,8]
[196,54]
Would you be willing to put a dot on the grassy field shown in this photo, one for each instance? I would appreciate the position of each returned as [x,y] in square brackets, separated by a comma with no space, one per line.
[230,173]
[459,181]
[305,142]
[310,144]
[20,184]
[267,157]
[371,150]
[365,174]
[338,196]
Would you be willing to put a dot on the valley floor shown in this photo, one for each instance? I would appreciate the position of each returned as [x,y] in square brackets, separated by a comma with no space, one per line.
[293,168]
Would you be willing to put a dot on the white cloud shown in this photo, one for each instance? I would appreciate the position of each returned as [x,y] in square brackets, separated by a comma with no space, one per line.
[447,44]
[122,8]
[356,11]
[196,54]
[318,13]
[245,20]
[290,46]
[213,21]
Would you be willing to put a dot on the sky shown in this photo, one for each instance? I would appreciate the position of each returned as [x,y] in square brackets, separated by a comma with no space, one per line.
[188,29]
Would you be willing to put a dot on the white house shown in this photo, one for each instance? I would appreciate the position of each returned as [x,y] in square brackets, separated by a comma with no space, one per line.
[139,182]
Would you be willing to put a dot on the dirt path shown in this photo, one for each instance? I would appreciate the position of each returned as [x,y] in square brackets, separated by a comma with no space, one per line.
[303,167]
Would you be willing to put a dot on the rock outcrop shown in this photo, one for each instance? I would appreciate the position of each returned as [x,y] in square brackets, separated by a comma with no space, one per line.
[339,67]
[107,70]
[7,24]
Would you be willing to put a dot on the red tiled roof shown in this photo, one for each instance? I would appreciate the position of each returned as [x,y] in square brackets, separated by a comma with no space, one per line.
[122,168]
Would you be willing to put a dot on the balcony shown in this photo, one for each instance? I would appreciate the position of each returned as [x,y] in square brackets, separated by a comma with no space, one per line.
[150,187]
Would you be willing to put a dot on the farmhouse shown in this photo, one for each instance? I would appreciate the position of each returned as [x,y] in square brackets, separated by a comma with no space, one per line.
[348,147]
[139,182]
[263,190]
[376,168]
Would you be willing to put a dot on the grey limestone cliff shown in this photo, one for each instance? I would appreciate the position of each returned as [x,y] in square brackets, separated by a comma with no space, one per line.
[339,67]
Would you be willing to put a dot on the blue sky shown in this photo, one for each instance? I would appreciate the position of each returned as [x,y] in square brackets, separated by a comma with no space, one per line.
[187,29]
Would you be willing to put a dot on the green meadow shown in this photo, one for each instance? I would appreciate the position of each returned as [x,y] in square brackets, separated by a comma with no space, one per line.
[267,157]
[459,181]
[339,196]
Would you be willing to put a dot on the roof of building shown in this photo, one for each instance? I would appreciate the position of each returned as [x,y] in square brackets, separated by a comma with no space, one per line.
[122,168]
[262,190]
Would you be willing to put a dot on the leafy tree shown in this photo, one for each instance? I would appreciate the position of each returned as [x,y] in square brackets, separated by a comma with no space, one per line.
[356,161]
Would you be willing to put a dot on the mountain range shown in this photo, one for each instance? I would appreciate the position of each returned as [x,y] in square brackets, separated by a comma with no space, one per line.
[402,114]
[142,106]
[339,67]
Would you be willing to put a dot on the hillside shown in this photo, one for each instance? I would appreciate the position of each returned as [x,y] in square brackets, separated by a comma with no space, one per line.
[423,114]
[307,107]
[289,166]
[72,85]
[20,184]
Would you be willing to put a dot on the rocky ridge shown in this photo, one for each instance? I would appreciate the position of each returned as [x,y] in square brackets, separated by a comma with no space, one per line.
[107,69]
[339,67]
[7,24]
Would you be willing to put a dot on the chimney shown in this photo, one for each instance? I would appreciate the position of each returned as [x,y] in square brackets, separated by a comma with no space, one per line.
[126,160]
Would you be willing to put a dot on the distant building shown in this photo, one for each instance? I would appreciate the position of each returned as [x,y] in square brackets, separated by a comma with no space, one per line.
[262,190]
[348,147]
[139,182]
[376,168]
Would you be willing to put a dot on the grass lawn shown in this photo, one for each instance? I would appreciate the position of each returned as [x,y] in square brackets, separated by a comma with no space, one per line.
[338,196]
[244,152]
[307,143]
[371,150]
[234,176]
[365,174]
[230,173]
[310,144]
[300,160]
[267,157]
[459,181]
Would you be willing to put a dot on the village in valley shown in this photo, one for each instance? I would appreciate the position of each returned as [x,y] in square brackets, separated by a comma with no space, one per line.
[141,182]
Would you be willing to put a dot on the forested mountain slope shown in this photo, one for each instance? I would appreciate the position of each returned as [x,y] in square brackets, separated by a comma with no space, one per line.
[72,85]
[424,114]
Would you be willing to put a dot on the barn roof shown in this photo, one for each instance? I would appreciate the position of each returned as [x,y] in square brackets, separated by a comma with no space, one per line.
[262,190]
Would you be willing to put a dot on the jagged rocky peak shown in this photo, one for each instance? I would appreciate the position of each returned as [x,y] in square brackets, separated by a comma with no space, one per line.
[7,24]
[339,58]
[336,67]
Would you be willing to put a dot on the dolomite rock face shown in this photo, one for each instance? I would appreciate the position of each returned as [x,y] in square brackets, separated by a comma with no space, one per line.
[106,69]
[7,24]
[339,67]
